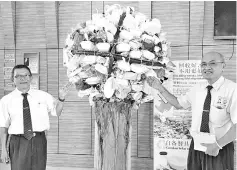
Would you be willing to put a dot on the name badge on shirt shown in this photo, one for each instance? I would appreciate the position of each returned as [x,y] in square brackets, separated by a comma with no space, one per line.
[221,102]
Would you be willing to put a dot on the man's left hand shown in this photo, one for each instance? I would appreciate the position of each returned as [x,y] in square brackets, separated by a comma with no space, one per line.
[212,149]
[64,90]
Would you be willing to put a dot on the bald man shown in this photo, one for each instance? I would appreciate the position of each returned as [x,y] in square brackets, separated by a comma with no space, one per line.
[213,112]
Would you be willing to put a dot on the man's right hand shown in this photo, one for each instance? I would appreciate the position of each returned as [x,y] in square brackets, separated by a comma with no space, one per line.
[5,156]
[153,82]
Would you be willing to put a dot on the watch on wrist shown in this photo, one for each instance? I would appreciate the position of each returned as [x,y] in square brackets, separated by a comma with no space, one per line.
[61,100]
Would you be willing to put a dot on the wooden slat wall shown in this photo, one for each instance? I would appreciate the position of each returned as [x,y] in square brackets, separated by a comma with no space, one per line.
[1,53]
[43,27]
[196,23]
[174,18]
[144,125]
[50,21]
[75,129]
[30,20]
[8,29]
[70,14]
[52,66]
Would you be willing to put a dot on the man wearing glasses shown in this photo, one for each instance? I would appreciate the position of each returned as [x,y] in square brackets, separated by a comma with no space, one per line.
[214,115]
[24,116]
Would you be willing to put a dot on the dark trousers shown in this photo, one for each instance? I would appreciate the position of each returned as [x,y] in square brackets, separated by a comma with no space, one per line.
[198,160]
[28,154]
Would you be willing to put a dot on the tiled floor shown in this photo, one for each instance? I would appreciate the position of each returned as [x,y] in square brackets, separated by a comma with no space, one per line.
[7,167]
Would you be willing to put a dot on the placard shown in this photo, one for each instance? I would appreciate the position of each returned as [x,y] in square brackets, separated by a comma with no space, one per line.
[7,70]
[171,126]
[32,61]
[7,76]
[12,60]
[9,56]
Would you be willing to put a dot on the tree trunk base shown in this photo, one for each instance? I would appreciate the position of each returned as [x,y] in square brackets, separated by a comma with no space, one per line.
[113,136]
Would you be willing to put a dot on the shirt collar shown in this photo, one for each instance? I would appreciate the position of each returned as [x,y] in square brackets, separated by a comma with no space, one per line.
[18,92]
[217,84]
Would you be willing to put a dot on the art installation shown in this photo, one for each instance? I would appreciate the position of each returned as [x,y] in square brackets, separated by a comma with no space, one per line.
[108,59]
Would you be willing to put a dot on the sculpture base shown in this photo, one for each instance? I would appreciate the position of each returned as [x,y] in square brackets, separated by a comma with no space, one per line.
[112,136]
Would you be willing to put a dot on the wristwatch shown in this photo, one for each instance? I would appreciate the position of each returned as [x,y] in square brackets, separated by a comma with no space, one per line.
[61,100]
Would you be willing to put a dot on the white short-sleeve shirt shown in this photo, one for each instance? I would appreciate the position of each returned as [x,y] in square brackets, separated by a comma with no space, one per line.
[223,113]
[11,110]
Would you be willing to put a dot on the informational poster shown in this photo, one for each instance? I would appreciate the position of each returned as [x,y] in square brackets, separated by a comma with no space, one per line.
[33,64]
[9,60]
[32,61]
[8,64]
[9,56]
[171,126]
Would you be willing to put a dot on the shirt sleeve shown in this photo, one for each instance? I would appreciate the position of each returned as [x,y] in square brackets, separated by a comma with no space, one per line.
[4,115]
[233,111]
[185,100]
[51,104]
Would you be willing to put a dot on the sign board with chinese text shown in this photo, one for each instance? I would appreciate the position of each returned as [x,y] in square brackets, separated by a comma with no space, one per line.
[171,126]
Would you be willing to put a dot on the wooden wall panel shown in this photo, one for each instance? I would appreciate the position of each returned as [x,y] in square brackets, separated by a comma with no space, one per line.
[174,18]
[50,22]
[134,4]
[65,160]
[70,14]
[63,79]
[30,25]
[75,128]
[1,54]
[43,69]
[151,132]
[144,125]
[134,142]
[52,79]
[53,135]
[179,53]
[142,164]
[196,22]
[209,26]
[7,24]
[93,126]
[52,71]
[230,58]
[97,6]
[195,52]
[145,8]
[1,29]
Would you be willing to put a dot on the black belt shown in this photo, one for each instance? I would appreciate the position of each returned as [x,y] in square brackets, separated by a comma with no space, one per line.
[34,134]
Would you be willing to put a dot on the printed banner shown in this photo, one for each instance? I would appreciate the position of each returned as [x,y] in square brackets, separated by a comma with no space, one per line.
[171,126]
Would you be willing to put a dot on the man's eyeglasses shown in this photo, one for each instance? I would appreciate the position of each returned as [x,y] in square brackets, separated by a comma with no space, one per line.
[211,64]
[22,76]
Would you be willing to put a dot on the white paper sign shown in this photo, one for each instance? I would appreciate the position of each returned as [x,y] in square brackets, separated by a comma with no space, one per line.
[9,60]
[9,56]
[171,126]
[7,70]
